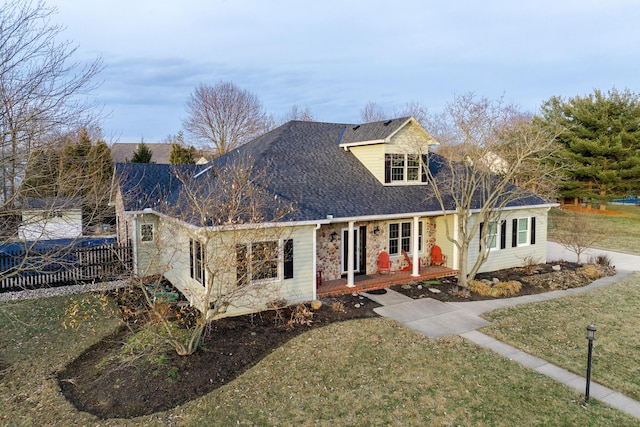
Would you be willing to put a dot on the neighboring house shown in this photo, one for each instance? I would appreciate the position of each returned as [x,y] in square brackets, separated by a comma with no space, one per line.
[50,219]
[358,190]
[123,152]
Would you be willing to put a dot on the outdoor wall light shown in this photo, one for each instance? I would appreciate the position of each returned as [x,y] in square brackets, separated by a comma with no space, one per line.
[376,230]
[591,336]
[334,236]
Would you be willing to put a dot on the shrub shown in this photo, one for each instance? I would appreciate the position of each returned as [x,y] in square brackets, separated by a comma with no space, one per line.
[506,289]
[301,315]
[601,259]
[530,265]
[591,271]
[338,307]
[479,287]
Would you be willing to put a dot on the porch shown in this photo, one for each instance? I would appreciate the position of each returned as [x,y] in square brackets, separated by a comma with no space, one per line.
[370,282]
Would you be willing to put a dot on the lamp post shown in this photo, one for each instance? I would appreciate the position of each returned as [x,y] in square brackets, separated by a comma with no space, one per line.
[591,336]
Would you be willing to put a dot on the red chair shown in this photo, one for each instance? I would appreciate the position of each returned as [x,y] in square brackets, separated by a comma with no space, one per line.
[436,256]
[384,266]
[409,265]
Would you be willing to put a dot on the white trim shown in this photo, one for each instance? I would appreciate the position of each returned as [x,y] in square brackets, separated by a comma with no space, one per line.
[351,255]
[527,241]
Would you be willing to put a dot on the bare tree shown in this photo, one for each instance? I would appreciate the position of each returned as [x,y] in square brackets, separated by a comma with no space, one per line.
[296,113]
[222,215]
[578,231]
[224,116]
[42,101]
[486,145]
[372,112]
[41,88]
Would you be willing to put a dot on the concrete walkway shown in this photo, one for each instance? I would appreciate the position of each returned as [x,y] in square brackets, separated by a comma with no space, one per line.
[437,319]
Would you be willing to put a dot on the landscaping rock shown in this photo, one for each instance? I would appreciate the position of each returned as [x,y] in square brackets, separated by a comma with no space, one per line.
[557,267]
[434,290]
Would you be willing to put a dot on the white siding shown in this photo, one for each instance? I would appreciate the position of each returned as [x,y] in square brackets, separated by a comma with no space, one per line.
[49,224]
[411,139]
[372,156]
[169,254]
[441,239]
[515,256]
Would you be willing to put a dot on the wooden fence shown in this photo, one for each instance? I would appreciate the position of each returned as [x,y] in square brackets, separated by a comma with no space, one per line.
[21,269]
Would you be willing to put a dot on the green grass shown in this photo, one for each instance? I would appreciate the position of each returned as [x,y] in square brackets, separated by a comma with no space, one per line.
[365,372]
[623,231]
[555,331]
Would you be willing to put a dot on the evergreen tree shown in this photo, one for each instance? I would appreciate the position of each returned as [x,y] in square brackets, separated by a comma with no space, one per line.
[600,136]
[181,155]
[143,154]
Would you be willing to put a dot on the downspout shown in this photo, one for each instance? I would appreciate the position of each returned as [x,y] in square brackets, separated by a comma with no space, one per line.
[134,244]
[415,272]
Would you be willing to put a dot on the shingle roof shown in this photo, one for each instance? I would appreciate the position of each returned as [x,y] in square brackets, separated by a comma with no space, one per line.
[305,165]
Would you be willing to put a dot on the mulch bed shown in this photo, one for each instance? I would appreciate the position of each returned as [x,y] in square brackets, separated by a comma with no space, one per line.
[542,278]
[151,384]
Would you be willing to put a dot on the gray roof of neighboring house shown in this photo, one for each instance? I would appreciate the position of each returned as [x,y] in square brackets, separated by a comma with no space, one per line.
[122,152]
[305,165]
[44,203]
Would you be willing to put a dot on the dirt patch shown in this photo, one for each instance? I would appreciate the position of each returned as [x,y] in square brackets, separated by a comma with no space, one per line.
[582,209]
[157,382]
[534,280]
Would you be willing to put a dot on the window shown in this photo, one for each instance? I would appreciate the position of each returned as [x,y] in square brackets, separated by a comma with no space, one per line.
[264,260]
[146,232]
[402,168]
[400,237]
[492,235]
[259,261]
[523,232]
[397,167]
[197,260]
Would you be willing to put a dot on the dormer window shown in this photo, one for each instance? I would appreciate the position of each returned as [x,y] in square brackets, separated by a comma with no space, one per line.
[402,168]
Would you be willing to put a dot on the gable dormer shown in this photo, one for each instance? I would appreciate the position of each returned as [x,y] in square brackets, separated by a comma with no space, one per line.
[390,149]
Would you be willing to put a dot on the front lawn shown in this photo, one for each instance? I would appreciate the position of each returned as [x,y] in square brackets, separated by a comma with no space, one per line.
[622,225]
[359,372]
[555,331]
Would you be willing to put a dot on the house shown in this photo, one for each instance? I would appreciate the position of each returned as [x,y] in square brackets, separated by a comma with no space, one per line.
[122,152]
[50,219]
[358,191]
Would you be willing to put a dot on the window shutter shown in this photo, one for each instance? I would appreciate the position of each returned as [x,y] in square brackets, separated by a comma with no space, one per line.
[514,233]
[241,265]
[481,236]
[423,168]
[288,259]
[533,230]
[503,234]
[191,258]
[387,168]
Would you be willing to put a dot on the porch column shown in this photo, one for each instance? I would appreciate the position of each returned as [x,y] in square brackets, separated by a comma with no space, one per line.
[416,257]
[350,255]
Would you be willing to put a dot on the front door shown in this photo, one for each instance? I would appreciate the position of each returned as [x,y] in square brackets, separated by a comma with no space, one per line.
[359,250]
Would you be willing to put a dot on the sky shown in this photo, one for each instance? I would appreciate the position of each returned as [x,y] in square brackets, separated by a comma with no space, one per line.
[335,56]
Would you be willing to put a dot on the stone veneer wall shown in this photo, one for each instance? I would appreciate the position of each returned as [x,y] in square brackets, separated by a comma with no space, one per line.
[329,252]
